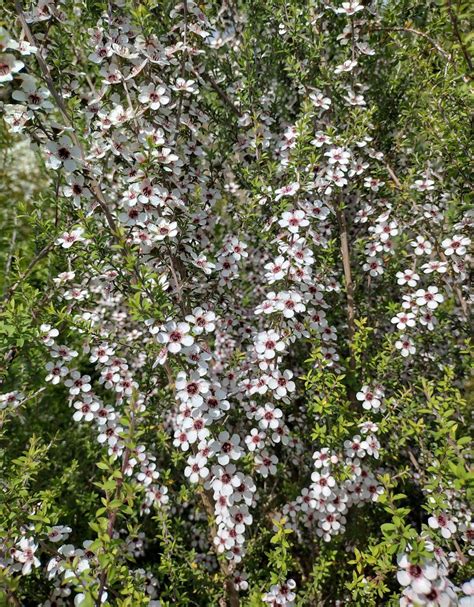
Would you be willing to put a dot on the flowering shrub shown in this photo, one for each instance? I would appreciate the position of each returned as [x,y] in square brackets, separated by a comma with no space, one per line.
[234,316]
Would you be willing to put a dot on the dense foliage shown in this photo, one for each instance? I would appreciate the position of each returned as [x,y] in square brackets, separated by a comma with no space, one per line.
[234,316]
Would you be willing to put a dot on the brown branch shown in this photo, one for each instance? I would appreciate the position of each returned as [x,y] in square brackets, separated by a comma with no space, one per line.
[183,67]
[42,63]
[206,498]
[12,599]
[222,94]
[112,514]
[44,251]
[103,205]
[410,30]
[11,249]
[457,33]
[394,178]
[460,553]
[346,264]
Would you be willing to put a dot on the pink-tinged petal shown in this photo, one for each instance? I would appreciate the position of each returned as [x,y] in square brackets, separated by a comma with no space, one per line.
[421,585]
[446,533]
[430,572]
[403,578]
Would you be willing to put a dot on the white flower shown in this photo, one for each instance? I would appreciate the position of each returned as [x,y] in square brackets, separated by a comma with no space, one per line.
[277,269]
[435,266]
[86,409]
[11,399]
[177,336]
[101,354]
[322,484]
[75,188]
[32,96]
[255,440]
[26,554]
[422,185]
[225,480]
[227,448]
[289,303]
[196,469]
[371,446]
[405,345]
[55,372]
[456,245]
[281,383]
[355,447]
[163,229]
[468,590]
[148,474]
[293,221]
[67,239]
[421,246]
[404,320]
[444,523]
[48,334]
[419,577]
[265,463]
[321,139]
[408,277]
[287,190]
[385,230]
[190,389]
[323,458]
[62,152]
[58,533]
[202,320]
[374,267]
[338,156]
[372,183]
[268,343]
[153,96]
[371,399]
[186,86]
[9,64]
[429,297]
[268,417]
[355,99]
[350,8]
[319,100]
[347,66]
[109,433]
[78,383]
[25,48]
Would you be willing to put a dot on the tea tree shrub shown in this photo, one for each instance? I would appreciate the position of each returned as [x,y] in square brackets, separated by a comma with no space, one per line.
[234,315]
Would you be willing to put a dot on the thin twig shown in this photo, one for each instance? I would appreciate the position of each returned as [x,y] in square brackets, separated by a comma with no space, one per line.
[112,514]
[64,111]
[11,249]
[183,66]
[42,63]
